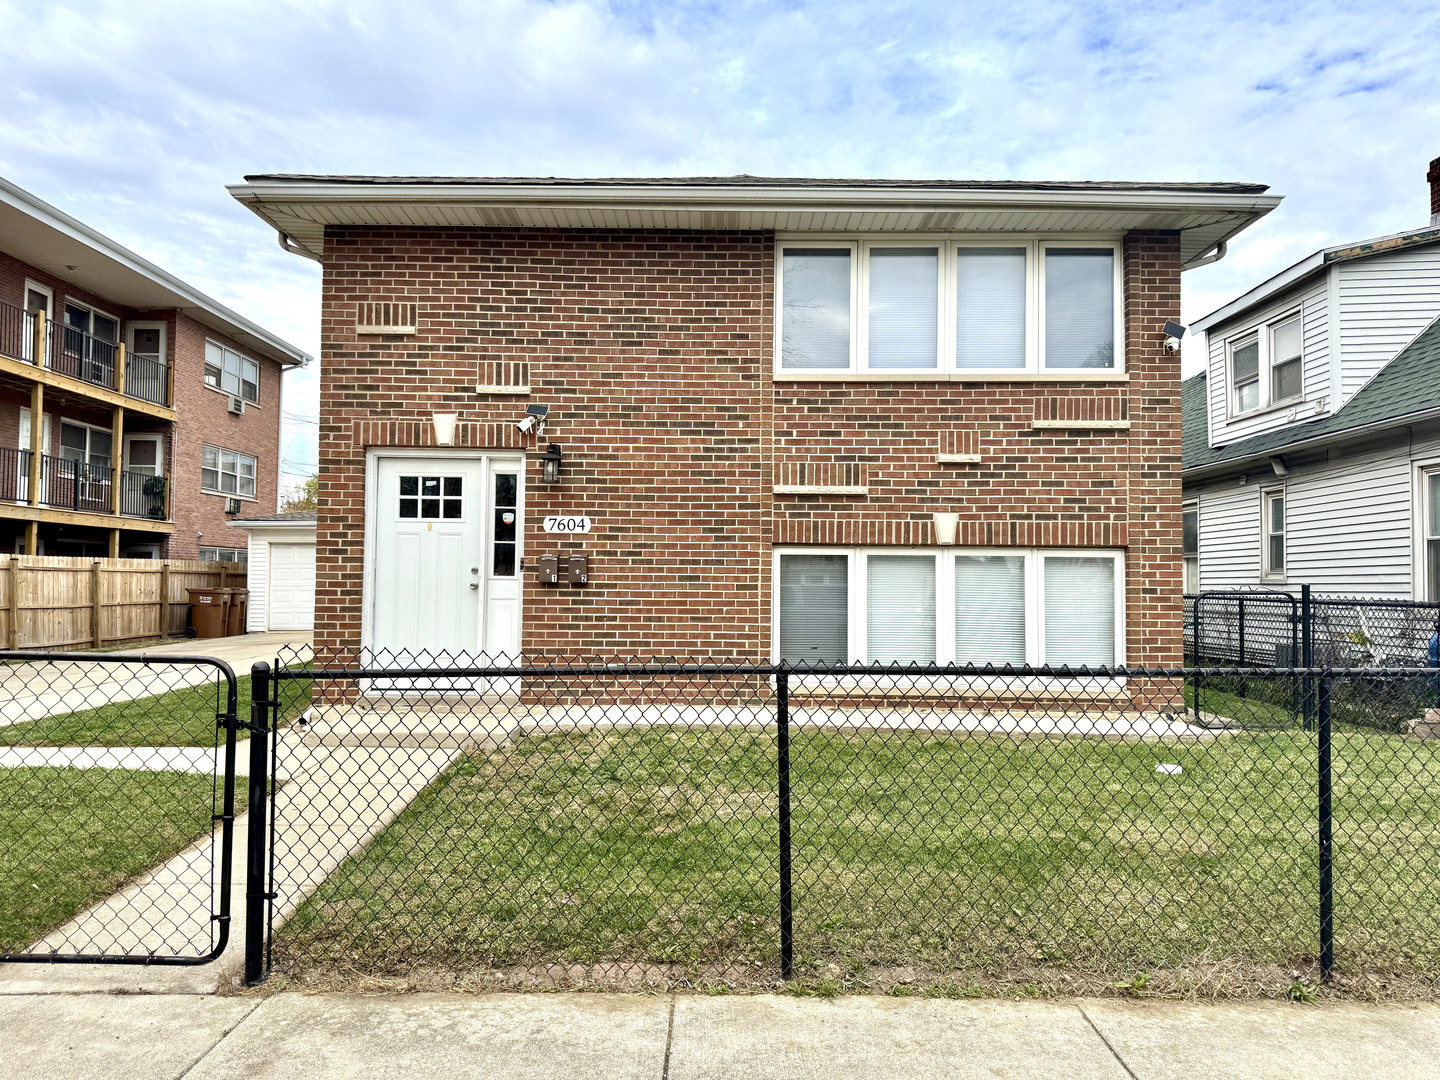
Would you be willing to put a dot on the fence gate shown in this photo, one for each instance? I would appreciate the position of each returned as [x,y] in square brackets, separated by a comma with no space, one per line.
[117,807]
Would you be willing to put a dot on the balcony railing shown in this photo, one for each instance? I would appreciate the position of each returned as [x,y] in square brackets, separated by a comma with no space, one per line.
[73,352]
[79,486]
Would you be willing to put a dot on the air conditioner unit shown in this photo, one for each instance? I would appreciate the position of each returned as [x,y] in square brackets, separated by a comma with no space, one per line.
[237,406]
[232,506]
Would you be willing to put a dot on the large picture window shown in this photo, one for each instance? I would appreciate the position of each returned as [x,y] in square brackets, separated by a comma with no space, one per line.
[227,472]
[967,606]
[962,305]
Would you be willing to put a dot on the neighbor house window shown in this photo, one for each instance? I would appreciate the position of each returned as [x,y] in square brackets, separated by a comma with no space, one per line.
[958,306]
[976,606]
[229,371]
[227,472]
[1190,545]
[1267,365]
[1272,535]
[224,554]
[1431,496]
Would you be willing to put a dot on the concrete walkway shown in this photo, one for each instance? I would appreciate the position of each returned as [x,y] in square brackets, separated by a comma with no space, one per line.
[33,691]
[589,1036]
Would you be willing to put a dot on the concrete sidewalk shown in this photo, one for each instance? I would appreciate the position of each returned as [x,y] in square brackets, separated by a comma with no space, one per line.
[603,1036]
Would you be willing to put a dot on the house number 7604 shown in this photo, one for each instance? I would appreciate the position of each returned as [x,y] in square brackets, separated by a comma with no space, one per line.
[564,523]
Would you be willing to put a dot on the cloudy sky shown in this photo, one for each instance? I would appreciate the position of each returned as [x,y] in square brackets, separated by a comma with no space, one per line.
[133,115]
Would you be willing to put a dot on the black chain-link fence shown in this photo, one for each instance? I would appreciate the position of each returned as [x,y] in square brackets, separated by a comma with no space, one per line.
[116,807]
[726,823]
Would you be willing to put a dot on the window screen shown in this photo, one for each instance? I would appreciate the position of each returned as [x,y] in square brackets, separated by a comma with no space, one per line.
[900,601]
[815,319]
[990,609]
[904,294]
[1079,308]
[1079,611]
[990,308]
[814,609]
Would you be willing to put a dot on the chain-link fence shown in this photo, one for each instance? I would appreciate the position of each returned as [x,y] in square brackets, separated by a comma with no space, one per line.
[730,823]
[116,807]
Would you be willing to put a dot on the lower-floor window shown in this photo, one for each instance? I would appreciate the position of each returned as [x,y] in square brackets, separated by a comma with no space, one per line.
[224,554]
[227,472]
[964,606]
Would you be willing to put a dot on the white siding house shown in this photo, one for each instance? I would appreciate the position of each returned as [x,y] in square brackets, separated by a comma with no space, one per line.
[281,571]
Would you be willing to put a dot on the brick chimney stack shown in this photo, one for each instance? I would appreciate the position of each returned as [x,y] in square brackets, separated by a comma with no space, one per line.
[1434,177]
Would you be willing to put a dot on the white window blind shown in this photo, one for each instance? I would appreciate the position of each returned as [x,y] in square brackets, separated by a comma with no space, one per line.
[990,308]
[815,320]
[1079,308]
[814,609]
[989,609]
[904,299]
[900,600]
[1079,611]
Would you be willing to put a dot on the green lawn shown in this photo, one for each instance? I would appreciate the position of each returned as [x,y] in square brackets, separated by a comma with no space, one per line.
[185,717]
[69,837]
[941,851]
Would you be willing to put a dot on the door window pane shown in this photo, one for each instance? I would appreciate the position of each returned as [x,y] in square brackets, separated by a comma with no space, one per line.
[1080,308]
[1079,611]
[900,603]
[990,308]
[990,609]
[814,609]
[506,525]
[815,319]
[904,292]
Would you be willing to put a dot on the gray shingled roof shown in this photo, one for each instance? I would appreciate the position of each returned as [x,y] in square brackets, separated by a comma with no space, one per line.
[1406,386]
[300,517]
[745,180]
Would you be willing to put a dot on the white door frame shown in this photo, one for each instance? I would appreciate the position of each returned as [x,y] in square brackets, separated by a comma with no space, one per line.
[145,436]
[27,346]
[373,456]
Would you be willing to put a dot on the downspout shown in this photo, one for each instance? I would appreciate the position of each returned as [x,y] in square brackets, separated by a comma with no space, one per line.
[290,247]
[1216,254]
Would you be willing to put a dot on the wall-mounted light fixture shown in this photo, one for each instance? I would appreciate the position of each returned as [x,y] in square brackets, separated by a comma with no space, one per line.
[550,464]
[444,427]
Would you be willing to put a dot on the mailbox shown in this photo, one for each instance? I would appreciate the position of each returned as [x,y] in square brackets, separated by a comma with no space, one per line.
[579,568]
[549,571]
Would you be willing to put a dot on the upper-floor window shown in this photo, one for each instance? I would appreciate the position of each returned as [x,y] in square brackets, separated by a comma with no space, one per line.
[1266,366]
[1430,515]
[1272,533]
[933,306]
[227,472]
[1190,545]
[229,371]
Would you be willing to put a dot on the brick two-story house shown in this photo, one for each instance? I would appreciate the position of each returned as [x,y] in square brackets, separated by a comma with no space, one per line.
[805,419]
[159,407]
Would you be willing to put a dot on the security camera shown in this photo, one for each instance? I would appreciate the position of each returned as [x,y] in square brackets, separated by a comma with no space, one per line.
[524,426]
[1173,333]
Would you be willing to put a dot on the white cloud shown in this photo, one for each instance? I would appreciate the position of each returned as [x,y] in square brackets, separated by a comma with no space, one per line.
[133,115]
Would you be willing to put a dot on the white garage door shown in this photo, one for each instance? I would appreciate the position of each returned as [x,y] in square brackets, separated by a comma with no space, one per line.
[292,586]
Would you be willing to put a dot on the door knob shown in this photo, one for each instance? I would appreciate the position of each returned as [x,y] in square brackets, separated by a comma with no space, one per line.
[474,584]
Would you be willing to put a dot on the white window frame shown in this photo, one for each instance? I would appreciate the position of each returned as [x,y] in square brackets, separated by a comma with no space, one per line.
[90,430]
[1267,496]
[1424,470]
[27,347]
[93,310]
[1190,506]
[227,351]
[131,327]
[948,245]
[1264,337]
[856,582]
[220,470]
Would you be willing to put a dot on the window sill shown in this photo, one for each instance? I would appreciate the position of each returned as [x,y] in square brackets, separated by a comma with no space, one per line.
[226,393]
[953,376]
[1268,410]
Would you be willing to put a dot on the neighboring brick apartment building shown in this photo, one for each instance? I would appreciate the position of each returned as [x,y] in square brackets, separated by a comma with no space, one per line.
[160,406]
[767,397]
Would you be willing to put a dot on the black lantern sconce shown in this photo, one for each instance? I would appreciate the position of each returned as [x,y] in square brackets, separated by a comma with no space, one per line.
[550,464]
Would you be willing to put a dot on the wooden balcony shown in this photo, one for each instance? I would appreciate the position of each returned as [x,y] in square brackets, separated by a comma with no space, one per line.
[69,492]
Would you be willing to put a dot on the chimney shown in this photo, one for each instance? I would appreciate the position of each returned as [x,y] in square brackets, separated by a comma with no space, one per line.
[1434,177]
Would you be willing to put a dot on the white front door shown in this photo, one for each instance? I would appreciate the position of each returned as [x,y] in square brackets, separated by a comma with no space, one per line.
[37,298]
[23,479]
[445,577]
[292,587]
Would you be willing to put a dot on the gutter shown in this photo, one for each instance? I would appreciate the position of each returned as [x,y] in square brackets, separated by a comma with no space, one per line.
[1241,464]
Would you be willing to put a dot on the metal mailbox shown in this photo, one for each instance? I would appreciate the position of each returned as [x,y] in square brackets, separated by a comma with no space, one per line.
[579,571]
[548,572]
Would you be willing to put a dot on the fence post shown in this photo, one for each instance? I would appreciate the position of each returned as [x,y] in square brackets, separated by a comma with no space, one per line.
[1195,679]
[1307,660]
[782,731]
[1243,661]
[1327,882]
[255,892]
[96,615]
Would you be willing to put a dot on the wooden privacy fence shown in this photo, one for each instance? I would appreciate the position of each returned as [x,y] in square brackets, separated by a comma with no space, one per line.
[56,602]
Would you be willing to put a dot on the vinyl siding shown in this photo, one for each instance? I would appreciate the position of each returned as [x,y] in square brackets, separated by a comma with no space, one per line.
[1312,301]
[1384,302]
[1230,537]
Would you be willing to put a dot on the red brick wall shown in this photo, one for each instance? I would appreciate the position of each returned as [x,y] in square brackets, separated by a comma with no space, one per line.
[654,352]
